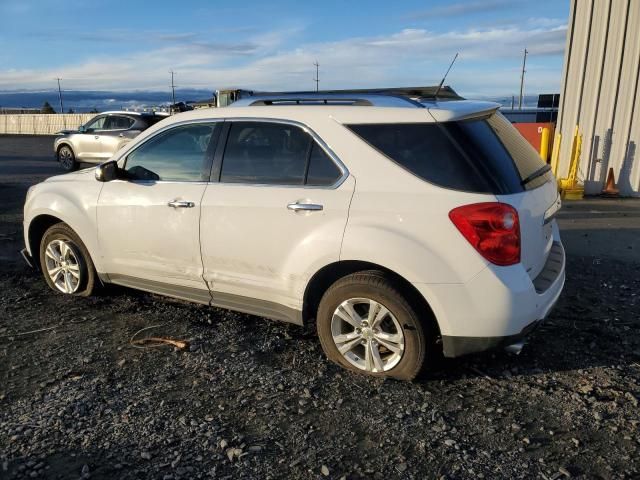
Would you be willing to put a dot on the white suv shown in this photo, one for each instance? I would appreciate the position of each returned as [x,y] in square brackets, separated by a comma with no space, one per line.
[403,228]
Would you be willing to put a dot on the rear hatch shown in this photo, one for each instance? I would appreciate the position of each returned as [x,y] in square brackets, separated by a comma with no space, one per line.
[539,201]
[521,178]
[473,148]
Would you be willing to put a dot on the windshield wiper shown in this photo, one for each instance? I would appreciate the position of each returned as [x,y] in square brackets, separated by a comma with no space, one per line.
[538,173]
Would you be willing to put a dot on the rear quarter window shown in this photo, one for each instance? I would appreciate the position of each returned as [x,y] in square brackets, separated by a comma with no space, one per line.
[150,120]
[483,155]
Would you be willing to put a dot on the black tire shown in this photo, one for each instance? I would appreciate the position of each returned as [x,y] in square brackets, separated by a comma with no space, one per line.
[374,285]
[67,158]
[61,232]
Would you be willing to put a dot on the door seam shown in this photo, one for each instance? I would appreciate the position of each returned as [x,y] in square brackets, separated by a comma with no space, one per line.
[346,223]
[209,289]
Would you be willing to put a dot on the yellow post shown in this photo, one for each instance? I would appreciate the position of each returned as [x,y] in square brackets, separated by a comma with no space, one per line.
[544,145]
[575,159]
[555,153]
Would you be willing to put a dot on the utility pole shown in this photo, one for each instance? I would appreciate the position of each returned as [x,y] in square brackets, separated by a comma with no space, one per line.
[317,79]
[173,93]
[524,62]
[60,95]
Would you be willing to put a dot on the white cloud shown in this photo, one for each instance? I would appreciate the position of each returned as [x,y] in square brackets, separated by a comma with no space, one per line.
[409,57]
[464,8]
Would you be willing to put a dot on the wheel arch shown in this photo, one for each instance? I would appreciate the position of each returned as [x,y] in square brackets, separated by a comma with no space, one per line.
[64,143]
[37,227]
[329,274]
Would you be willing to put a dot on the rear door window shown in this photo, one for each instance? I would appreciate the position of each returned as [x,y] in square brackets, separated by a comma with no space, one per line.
[322,170]
[485,155]
[117,122]
[275,154]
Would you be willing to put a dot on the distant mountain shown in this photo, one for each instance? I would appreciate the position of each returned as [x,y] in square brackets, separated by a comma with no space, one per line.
[84,101]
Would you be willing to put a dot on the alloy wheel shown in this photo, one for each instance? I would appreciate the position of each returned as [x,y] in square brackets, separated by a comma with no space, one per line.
[62,265]
[367,335]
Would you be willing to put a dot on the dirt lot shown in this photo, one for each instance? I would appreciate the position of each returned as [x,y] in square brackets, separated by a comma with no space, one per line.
[256,399]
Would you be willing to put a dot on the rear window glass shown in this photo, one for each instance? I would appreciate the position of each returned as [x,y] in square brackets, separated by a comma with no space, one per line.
[484,155]
[525,157]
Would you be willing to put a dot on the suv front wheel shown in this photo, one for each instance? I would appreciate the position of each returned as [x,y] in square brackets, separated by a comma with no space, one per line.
[365,324]
[65,262]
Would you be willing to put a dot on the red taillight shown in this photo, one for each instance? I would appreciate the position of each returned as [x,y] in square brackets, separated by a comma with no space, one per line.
[492,228]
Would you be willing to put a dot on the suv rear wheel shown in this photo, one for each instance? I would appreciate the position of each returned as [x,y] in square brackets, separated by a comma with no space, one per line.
[65,262]
[365,324]
[67,158]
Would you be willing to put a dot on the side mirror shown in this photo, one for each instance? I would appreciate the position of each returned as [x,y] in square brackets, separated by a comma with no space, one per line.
[107,171]
[82,129]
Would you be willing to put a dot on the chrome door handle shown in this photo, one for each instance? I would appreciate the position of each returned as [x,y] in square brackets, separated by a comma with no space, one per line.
[96,137]
[180,204]
[308,207]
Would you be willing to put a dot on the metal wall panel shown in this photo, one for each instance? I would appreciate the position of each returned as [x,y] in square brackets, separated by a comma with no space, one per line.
[633,154]
[574,73]
[623,148]
[593,93]
[600,92]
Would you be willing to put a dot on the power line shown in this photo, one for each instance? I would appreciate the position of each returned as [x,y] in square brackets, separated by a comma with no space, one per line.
[317,79]
[60,95]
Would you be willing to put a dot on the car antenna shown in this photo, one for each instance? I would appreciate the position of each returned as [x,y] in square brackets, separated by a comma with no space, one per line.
[435,95]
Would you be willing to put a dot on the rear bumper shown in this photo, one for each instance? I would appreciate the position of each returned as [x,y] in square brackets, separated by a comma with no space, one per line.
[459,346]
[498,307]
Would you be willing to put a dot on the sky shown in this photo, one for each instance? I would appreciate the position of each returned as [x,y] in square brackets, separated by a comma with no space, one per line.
[132,45]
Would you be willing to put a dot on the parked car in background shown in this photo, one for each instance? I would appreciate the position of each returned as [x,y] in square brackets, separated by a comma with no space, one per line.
[402,228]
[101,137]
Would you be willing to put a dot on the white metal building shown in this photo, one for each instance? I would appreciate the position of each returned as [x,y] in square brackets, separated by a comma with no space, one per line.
[600,93]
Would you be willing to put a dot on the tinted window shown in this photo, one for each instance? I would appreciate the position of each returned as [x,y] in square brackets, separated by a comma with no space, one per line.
[525,157]
[178,154]
[115,122]
[479,155]
[483,151]
[427,151]
[96,124]
[149,120]
[266,153]
[322,170]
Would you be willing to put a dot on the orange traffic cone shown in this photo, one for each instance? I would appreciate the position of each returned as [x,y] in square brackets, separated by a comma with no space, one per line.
[610,189]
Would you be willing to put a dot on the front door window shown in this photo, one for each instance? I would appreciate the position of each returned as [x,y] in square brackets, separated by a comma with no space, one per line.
[180,154]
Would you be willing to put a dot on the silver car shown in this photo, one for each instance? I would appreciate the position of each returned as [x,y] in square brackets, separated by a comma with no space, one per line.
[101,137]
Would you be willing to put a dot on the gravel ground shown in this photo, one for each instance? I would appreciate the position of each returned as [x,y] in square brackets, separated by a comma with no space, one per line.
[251,398]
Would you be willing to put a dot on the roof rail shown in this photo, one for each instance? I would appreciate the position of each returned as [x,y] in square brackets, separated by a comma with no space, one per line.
[321,98]
[379,97]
